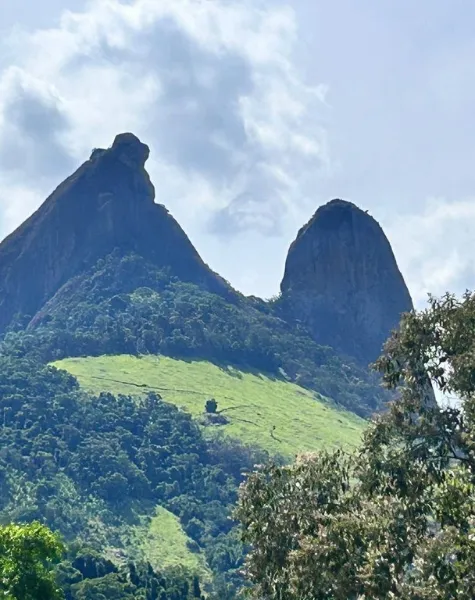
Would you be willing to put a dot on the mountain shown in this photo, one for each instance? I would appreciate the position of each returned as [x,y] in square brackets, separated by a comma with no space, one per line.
[137,387]
[107,204]
[101,269]
[342,281]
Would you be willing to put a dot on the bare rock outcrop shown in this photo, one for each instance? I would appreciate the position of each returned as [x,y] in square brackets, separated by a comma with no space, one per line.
[107,204]
[342,281]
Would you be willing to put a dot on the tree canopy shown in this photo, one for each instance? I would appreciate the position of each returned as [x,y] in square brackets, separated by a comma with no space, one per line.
[396,520]
[125,305]
[30,570]
[27,555]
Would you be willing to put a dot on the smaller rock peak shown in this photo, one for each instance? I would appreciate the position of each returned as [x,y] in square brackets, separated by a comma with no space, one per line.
[339,203]
[341,279]
[332,215]
[338,209]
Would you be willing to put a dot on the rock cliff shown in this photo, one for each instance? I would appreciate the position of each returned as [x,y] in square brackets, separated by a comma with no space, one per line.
[107,204]
[341,280]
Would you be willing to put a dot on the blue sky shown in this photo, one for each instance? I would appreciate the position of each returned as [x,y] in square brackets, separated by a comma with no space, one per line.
[256,113]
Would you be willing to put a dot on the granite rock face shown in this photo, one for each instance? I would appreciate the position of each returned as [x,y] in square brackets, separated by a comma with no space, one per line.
[107,204]
[342,281]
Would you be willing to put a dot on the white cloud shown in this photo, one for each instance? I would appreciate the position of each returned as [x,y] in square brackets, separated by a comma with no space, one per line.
[434,247]
[209,85]
[31,116]
[238,138]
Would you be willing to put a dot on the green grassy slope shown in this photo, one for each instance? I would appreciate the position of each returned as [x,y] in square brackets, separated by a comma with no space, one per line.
[164,544]
[277,415]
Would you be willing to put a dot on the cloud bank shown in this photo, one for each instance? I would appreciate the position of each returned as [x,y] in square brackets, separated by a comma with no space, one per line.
[239,138]
[434,247]
[236,134]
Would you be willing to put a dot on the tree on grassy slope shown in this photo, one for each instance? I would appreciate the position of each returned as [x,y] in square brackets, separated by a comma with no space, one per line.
[27,555]
[397,520]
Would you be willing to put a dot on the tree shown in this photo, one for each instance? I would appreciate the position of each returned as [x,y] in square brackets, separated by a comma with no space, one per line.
[211,406]
[27,555]
[397,519]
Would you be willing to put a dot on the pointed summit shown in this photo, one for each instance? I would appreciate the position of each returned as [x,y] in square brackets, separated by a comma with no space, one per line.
[130,149]
[127,148]
[341,279]
[106,205]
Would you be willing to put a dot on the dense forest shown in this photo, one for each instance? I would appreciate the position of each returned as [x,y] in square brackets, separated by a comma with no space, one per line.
[397,518]
[127,306]
[93,468]
[393,520]
[36,565]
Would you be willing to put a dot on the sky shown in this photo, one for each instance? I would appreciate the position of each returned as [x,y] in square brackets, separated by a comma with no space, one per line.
[256,113]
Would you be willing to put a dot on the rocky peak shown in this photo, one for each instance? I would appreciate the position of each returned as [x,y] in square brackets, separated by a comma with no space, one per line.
[107,204]
[341,280]
[126,148]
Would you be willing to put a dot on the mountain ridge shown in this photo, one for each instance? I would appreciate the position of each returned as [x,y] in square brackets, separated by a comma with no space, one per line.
[341,279]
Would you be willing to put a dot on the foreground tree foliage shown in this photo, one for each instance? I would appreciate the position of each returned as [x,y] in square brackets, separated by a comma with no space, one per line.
[27,556]
[397,520]
[87,575]
[30,570]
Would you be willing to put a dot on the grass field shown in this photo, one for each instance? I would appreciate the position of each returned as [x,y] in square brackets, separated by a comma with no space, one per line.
[164,544]
[277,415]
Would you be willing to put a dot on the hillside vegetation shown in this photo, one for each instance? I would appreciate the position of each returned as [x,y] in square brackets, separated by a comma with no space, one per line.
[396,519]
[128,461]
[164,544]
[275,414]
[96,467]
[126,305]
